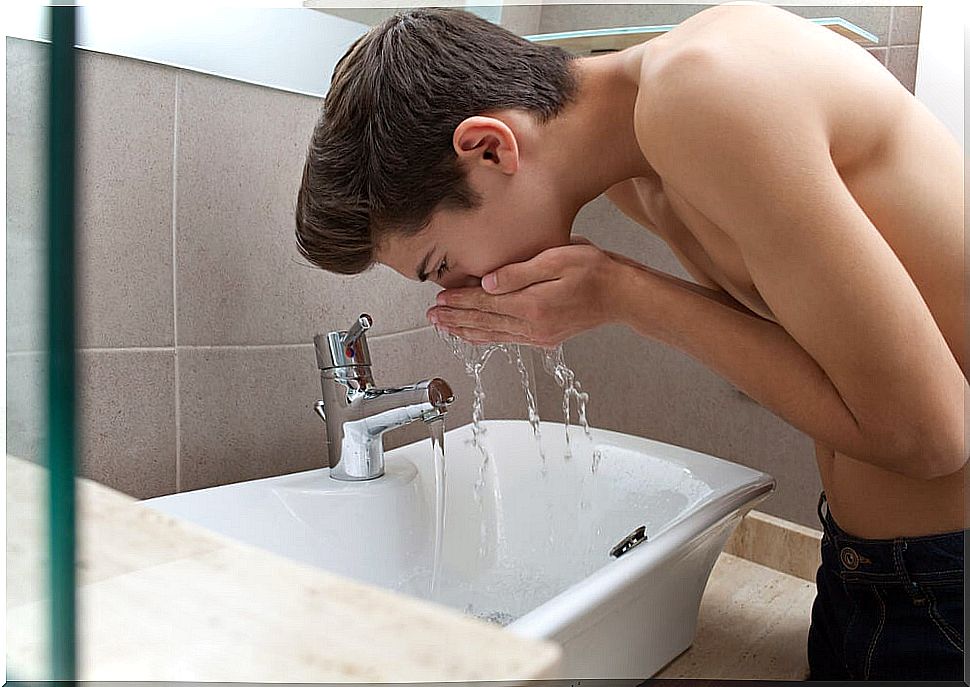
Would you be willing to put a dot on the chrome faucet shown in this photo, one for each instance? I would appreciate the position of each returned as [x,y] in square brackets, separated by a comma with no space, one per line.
[358,413]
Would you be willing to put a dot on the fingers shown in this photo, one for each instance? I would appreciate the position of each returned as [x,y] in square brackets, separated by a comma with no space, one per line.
[519,275]
[469,298]
[480,336]
[515,305]
[513,311]
[477,319]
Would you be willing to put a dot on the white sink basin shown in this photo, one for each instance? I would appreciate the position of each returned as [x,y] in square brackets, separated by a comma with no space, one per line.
[533,552]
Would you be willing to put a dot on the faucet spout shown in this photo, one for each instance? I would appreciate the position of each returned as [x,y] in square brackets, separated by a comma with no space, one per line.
[357,420]
[375,425]
[433,392]
[357,412]
[376,411]
[362,450]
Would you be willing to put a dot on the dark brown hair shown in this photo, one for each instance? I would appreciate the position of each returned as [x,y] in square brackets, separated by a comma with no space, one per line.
[381,160]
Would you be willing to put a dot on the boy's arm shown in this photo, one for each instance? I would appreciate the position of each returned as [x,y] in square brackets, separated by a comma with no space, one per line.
[858,361]
[755,355]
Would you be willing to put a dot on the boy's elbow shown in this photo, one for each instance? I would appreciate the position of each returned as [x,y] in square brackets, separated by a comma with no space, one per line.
[943,464]
[921,453]
[921,441]
[949,454]
[936,456]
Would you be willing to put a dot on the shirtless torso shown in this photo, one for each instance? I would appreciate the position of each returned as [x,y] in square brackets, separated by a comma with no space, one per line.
[902,168]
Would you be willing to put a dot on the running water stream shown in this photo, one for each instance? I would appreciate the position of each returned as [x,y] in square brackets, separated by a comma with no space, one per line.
[474,358]
[437,430]
[555,365]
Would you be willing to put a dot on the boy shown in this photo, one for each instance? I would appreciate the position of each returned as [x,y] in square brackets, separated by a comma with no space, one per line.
[818,205]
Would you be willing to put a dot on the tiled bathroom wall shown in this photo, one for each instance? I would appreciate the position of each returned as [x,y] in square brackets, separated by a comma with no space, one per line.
[197,313]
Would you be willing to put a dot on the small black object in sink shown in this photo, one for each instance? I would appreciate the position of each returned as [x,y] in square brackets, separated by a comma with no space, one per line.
[629,541]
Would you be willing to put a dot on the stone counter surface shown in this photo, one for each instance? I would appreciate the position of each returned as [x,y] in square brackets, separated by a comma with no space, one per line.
[162,599]
[753,625]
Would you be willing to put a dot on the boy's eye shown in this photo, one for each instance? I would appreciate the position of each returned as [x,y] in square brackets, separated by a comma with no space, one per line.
[443,268]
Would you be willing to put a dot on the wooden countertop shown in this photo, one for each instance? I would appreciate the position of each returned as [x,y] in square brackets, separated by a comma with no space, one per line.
[162,599]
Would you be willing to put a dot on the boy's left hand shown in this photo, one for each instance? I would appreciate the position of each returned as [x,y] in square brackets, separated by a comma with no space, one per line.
[557,294]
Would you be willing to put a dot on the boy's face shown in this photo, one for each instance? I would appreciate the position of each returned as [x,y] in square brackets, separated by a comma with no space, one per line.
[515,222]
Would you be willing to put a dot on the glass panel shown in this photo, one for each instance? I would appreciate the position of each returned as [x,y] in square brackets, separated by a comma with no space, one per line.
[61,429]
[35,560]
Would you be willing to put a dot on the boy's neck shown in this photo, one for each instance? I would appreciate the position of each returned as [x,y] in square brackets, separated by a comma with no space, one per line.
[592,144]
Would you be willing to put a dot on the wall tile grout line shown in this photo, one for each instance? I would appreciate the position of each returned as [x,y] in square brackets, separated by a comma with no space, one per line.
[889,34]
[308,344]
[241,347]
[206,347]
[391,335]
[175,307]
[107,349]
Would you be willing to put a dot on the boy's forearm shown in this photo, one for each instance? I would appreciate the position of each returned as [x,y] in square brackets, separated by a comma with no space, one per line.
[754,354]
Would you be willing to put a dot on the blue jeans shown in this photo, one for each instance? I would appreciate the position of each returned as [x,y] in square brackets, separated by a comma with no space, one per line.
[887,609]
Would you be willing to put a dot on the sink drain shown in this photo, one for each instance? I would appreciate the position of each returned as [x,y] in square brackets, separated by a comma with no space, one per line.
[629,541]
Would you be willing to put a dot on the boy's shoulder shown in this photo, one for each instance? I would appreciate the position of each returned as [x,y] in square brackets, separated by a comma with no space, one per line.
[755,70]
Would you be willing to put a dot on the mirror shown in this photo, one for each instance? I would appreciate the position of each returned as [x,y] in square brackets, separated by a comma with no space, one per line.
[295,48]
[241,43]
[288,48]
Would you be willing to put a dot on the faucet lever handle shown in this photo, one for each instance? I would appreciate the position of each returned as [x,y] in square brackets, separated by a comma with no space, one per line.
[320,410]
[344,348]
[363,323]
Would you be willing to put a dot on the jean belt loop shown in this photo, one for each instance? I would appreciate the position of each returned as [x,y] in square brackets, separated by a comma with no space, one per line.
[822,501]
[914,590]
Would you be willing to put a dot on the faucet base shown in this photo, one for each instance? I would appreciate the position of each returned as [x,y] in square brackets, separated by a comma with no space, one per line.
[338,474]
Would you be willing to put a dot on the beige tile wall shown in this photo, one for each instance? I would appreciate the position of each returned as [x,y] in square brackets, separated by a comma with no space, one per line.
[197,313]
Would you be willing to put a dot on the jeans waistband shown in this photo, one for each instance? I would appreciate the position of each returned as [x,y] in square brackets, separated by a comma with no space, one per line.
[936,558]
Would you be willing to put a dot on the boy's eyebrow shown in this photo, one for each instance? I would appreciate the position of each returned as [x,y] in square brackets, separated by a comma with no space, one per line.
[422,275]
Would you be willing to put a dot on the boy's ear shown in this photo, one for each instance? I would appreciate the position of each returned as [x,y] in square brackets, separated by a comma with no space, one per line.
[487,141]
